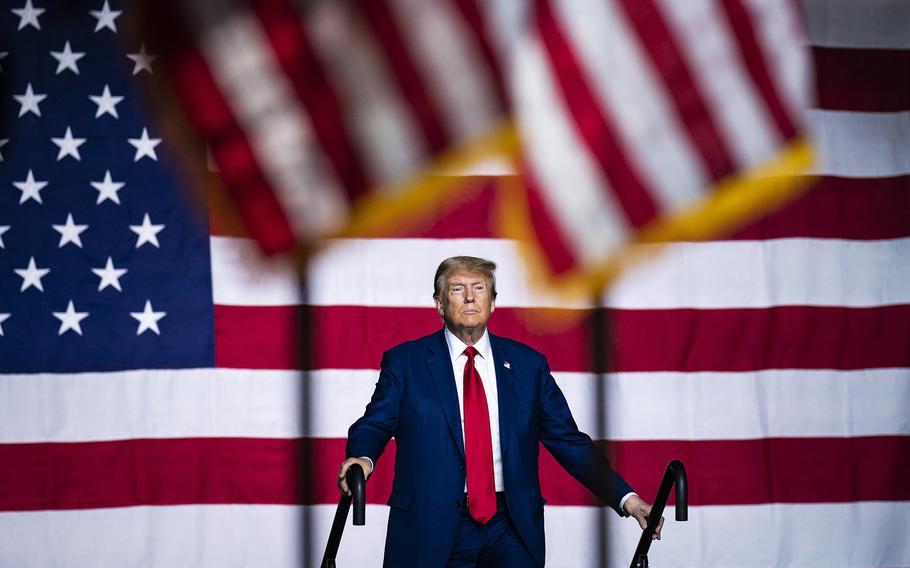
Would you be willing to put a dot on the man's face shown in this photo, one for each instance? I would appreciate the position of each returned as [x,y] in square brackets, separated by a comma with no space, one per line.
[467,300]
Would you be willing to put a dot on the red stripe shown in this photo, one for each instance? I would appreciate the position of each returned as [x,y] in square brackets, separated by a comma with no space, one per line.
[405,71]
[475,21]
[835,208]
[841,208]
[745,339]
[688,101]
[261,337]
[549,239]
[89,475]
[283,25]
[472,214]
[783,337]
[752,472]
[768,470]
[599,134]
[754,59]
[867,80]
[471,211]
[211,116]
[148,472]
[354,337]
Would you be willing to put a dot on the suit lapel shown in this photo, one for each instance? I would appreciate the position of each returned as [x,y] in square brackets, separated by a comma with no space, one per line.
[505,386]
[440,364]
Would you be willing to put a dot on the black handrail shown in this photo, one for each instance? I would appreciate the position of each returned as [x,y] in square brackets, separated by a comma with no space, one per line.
[674,475]
[357,484]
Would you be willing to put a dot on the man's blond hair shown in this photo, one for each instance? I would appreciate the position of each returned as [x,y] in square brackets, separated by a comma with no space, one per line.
[466,263]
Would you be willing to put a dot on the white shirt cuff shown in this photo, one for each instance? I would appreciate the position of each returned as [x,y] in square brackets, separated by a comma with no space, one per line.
[622,502]
[369,460]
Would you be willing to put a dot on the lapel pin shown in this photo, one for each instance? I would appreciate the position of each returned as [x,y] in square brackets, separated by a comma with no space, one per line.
[507,365]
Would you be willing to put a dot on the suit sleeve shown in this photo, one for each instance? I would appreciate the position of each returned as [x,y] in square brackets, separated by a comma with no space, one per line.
[370,434]
[573,449]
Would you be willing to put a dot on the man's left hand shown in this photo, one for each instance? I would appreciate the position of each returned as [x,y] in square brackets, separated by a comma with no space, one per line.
[640,509]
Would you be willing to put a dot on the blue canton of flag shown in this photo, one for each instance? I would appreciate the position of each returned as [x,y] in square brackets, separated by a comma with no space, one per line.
[102,265]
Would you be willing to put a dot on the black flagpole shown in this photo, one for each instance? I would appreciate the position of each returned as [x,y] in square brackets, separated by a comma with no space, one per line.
[305,452]
[600,363]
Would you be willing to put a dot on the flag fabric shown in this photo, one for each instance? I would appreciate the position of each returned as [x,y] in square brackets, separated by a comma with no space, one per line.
[154,417]
[654,120]
[636,120]
[317,113]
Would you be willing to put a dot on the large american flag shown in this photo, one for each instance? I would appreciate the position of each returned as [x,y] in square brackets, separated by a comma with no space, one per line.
[774,363]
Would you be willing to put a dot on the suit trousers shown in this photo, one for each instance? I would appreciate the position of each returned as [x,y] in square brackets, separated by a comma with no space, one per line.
[495,544]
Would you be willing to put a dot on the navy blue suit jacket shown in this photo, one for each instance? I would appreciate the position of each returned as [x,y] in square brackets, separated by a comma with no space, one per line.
[415,402]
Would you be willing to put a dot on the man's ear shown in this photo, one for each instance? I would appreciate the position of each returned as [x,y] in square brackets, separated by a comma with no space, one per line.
[439,309]
[492,306]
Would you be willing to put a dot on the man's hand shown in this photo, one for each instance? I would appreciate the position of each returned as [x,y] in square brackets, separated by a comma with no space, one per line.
[367,469]
[639,508]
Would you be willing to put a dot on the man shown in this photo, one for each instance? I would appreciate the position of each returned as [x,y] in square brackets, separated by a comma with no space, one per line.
[468,410]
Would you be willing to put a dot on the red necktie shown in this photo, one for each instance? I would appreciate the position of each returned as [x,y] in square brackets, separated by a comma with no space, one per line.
[478,445]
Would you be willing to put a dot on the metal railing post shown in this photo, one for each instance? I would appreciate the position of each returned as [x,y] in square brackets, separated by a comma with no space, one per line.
[357,484]
[675,475]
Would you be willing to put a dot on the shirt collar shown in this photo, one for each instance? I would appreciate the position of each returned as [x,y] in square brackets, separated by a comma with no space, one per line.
[457,346]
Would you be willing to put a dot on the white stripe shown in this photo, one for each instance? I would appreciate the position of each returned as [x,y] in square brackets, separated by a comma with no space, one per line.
[867,24]
[844,535]
[776,272]
[635,100]
[451,65]
[399,272]
[84,407]
[266,404]
[227,536]
[570,182]
[713,406]
[862,144]
[506,23]
[278,130]
[708,45]
[241,275]
[216,536]
[780,34]
[381,125]
[373,272]
[715,274]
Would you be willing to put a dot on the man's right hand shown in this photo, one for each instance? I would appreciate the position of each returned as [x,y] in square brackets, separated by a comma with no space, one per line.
[639,509]
[345,465]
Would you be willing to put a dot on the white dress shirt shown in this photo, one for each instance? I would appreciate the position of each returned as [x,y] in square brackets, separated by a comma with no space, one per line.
[483,363]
